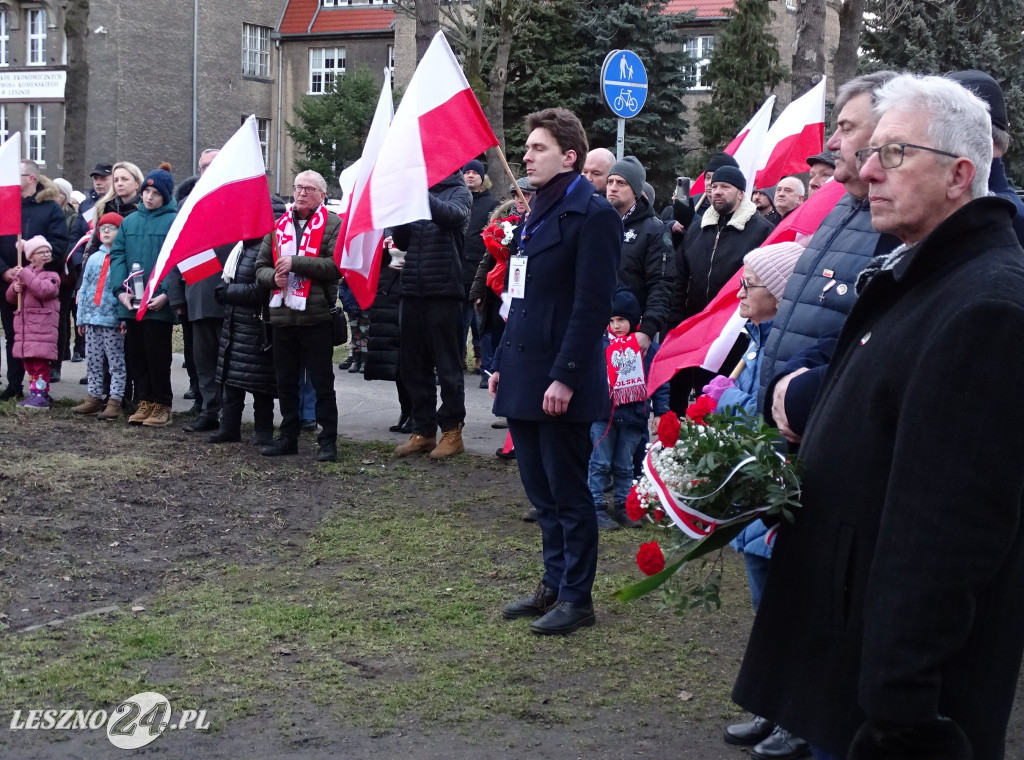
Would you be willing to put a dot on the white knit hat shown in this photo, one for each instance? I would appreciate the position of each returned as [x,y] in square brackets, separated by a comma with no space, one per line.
[774,264]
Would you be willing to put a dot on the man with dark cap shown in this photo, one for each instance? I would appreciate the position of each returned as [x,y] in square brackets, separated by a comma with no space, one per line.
[713,251]
[647,265]
[765,205]
[475,174]
[100,185]
[823,166]
[988,89]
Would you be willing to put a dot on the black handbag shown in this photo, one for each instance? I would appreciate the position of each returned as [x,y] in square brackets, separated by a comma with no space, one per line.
[339,326]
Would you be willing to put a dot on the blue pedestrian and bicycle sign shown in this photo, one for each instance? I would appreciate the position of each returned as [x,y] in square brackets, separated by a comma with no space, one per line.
[624,83]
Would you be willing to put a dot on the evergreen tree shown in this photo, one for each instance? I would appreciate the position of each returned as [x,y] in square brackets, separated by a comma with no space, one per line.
[330,129]
[938,36]
[743,70]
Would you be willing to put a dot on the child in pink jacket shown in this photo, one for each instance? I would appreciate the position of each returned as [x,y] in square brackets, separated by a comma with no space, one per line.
[36,322]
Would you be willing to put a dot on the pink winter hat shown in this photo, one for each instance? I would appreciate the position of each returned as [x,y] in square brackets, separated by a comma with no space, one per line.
[33,244]
[774,264]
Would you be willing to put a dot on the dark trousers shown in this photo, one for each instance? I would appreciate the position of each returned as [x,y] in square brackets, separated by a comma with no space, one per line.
[433,337]
[471,325]
[66,295]
[147,348]
[190,363]
[312,347]
[683,382]
[205,345]
[234,404]
[15,369]
[553,459]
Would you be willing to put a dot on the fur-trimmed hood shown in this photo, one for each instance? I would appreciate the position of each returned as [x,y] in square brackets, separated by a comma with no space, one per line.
[46,190]
[740,216]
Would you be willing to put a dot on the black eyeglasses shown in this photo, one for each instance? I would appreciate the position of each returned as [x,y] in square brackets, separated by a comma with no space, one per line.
[744,285]
[891,155]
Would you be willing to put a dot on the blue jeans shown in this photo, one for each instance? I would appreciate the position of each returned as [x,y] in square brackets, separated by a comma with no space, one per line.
[307,398]
[613,455]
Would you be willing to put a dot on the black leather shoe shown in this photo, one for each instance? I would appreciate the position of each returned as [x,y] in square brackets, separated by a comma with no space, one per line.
[750,733]
[530,515]
[502,454]
[534,605]
[327,452]
[76,358]
[54,375]
[280,448]
[563,618]
[225,436]
[83,380]
[403,422]
[348,362]
[190,394]
[263,437]
[12,391]
[203,424]
[781,745]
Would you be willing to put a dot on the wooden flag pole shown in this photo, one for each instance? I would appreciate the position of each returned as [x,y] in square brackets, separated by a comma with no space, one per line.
[18,245]
[515,183]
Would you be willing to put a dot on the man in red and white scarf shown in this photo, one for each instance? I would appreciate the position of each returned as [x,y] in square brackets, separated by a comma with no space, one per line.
[297,262]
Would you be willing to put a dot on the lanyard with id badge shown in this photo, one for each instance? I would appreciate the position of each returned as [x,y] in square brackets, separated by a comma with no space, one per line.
[517,264]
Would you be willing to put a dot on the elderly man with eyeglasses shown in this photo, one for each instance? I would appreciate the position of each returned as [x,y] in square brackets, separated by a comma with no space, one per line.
[296,261]
[891,623]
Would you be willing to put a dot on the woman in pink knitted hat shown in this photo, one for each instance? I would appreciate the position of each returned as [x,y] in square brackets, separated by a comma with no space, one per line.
[36,320]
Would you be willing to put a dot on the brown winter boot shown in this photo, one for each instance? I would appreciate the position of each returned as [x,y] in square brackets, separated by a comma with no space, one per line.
[91,405]
[450,445]
[143,411]
[415,445]
[113,410]
[159,416]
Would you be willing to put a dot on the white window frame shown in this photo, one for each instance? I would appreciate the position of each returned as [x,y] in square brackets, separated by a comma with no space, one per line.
[698,49]
[391,61]
[263,130]
[791,5]
[5,127]
[256,51]
[5,38]
[325,64]
[35,133]
[35,37]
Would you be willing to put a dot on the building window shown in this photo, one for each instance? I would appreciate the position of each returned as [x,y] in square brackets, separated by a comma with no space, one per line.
[698,51]
[263,130]
[36,133]
[5,129]
[324,65]
[391,61]
[790,5]
[255,51]
[36,36]
[5,39]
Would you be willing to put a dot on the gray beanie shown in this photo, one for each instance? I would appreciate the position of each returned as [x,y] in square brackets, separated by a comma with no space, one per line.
[774,265]
[631,170]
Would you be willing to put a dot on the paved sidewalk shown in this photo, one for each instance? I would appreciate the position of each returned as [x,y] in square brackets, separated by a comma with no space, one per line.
[365,409]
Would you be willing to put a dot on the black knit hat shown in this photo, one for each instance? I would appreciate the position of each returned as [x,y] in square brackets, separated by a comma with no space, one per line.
[625,305]
[719,160]
[732,175]
[475,166]
[161,181]
[986,88]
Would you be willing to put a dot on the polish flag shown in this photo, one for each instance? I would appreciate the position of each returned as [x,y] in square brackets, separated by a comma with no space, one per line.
[438,127]
[705,339]
[799,132]
[746,147]
[10,185]
[230,202]
[358,256]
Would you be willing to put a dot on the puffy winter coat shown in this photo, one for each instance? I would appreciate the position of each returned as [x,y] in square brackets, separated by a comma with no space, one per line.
[648,267]
[35,324]
[383,344]
[245,360]
[138,241]
[473,251]
[743,394]
[89,313]
[433,259]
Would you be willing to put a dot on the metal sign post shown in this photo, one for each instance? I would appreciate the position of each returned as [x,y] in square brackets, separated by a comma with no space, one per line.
[624,87]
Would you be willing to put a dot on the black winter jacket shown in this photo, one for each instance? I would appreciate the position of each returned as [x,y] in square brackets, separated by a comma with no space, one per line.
[244,360]
[647,266]
[383,343]
[433,258]
[483,204]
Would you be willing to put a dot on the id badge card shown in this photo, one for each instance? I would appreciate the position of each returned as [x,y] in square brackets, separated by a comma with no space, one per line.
[517,276]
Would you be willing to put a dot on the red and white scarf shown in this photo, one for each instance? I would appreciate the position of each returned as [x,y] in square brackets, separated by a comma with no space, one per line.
[625,360]
[295,295]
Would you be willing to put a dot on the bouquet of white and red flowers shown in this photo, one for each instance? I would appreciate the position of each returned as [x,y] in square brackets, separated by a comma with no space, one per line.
[709,476]
[498,235]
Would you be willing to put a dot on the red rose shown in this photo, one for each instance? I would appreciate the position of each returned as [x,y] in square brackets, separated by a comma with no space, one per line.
[658,514]
[668,429]
[634,510]
[650,559]
[698,409]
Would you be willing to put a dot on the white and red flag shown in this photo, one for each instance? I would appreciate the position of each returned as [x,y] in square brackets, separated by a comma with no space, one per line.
[358,256]
[10,185]
[705,339]
[230,202]
[438,127]
[746,147]
[799,132]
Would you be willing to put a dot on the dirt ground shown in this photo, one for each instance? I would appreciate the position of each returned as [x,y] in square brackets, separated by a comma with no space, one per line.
[85,538]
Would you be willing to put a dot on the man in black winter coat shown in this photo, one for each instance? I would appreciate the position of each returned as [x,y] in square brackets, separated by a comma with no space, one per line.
[433,335]
[40,215]
[647,266]
[484,203]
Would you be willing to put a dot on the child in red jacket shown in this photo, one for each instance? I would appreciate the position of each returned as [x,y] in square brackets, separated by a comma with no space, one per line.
[36,321]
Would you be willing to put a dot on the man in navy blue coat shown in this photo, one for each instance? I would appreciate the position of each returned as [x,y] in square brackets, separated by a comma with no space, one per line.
[549,377]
